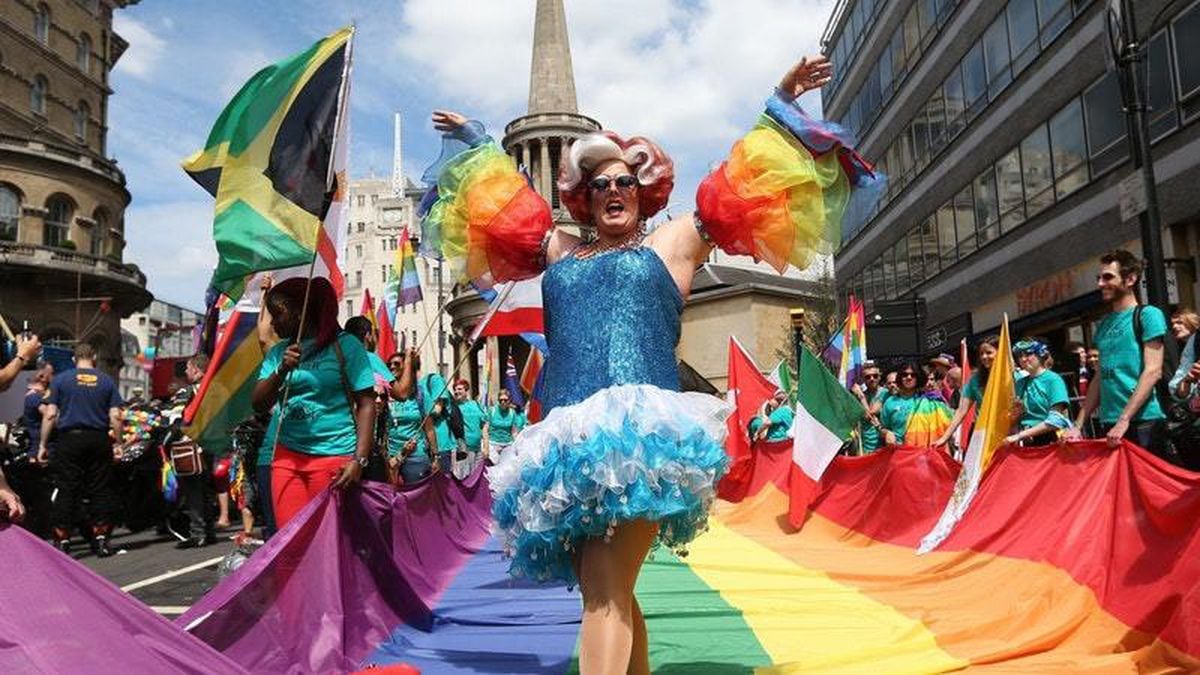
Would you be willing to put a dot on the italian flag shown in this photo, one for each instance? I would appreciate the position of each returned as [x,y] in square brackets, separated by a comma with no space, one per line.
[826,416]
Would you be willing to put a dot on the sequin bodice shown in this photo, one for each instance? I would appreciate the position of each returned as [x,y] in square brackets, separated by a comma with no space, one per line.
[610,319]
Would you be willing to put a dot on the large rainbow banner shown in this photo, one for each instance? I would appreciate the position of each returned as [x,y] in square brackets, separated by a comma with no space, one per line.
[1072,558]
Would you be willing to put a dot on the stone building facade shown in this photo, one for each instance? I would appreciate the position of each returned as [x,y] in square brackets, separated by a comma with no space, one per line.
[62,199]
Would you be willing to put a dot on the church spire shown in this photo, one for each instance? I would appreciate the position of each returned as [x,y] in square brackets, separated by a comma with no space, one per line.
[551,78]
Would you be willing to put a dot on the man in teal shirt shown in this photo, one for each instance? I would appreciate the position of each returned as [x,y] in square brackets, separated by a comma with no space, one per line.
[1131,360]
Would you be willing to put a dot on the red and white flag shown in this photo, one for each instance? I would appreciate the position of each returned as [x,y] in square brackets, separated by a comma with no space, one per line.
[519,312]
[747,390]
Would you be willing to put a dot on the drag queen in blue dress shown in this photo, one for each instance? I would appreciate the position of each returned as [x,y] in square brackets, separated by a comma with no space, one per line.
[623,461]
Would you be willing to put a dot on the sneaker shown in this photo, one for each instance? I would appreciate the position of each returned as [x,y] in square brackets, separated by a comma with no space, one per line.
[100,547]
[63,545]
[190,542]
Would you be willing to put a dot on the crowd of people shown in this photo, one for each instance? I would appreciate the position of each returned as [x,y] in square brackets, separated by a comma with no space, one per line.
[328,411]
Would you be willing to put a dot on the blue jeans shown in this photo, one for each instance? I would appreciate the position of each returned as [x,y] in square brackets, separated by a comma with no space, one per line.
[414,468]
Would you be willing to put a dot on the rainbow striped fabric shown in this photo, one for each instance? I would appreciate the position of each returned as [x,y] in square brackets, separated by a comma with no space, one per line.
[223,400]
[1074,558]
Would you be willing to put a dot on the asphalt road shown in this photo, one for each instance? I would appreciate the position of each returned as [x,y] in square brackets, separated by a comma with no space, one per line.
[151,569]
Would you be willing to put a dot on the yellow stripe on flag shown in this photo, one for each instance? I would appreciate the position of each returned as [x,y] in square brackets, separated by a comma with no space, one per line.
[768,589]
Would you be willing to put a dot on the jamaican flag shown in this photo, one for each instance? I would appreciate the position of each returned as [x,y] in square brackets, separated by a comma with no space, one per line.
[267,161]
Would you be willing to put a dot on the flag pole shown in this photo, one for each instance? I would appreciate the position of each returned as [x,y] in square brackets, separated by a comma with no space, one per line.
[330,182]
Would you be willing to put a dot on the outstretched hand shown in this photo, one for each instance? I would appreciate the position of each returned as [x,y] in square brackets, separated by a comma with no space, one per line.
[811,72]
[447,120]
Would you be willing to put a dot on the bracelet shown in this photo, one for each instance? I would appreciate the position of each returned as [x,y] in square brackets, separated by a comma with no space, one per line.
[23,359]
[701,229]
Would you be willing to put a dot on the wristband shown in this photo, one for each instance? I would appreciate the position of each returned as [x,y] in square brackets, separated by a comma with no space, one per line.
[23,359]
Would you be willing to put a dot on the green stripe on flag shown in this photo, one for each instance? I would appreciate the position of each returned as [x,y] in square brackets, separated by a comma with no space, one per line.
[824,398]
[247,242]
[692,630]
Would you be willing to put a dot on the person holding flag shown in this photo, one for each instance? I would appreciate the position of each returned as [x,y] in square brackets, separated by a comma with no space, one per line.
[972,392]
[1042,393]
[774,419]
[643,458]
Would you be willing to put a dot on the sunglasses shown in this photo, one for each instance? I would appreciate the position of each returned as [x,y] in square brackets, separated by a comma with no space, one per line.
[908,374]
[871,376]
[624,181]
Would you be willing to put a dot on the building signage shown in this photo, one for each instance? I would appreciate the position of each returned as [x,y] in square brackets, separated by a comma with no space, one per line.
[1131,196]
[1045,293]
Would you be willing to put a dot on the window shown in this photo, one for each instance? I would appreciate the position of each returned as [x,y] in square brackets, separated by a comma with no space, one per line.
[362,227]
[373,198]
[996,56]
[974,76]
[358,278]
[947,240]
[929,246]
[83,52]
[1161,85]
[900,57]
[1022,33]
[912,33]
[903,280]
[358,251]
[916,256]
[1008,188]
[41,24]
[920,140]
[57,221]
[987,207]
[1053,17]
[81,120]
[935,116]
[952,93]
[1036,172]
[362,200]
[1105,123]
[37,95]
[1187,58]
[885,74]
[10,213]
[964,222]
[1067,150]
[928,17]
[383,274]
[99,232]
[888,263]
[350,308]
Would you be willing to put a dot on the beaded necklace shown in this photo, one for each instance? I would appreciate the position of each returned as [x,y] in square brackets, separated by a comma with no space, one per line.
[631,241]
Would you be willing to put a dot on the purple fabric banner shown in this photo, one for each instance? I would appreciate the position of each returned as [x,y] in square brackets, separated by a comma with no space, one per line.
[57,616]
[344,574]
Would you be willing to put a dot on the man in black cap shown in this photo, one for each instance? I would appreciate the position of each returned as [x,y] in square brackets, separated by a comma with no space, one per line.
[85,407]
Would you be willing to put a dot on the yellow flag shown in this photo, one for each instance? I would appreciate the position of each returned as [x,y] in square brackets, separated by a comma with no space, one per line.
[991,427]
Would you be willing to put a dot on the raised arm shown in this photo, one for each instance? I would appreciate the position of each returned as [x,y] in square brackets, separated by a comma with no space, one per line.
[481,214]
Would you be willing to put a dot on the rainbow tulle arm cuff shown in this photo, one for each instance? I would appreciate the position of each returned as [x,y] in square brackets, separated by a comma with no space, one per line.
[481,215]
[787,185]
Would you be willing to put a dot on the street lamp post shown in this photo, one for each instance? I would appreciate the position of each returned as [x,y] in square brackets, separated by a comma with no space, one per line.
[1129,54]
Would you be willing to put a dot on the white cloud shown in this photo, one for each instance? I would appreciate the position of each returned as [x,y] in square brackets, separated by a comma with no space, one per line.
[145,48]
[172,243]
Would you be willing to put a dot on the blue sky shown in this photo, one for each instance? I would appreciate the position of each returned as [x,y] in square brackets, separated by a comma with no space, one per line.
[690,74]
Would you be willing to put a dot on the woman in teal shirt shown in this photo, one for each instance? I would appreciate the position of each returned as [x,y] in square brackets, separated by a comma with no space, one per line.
[972,393]
[774,422]
[898,408]
[408,442]
[327,417]
[504,421]
[1042,394]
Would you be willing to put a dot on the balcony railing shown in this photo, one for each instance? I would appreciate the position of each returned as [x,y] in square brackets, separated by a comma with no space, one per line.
[83,159]
[63,260]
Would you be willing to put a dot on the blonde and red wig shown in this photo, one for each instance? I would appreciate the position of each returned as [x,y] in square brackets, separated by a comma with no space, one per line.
[654,170]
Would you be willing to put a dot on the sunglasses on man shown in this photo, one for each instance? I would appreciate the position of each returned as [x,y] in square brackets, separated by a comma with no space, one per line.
[624,181]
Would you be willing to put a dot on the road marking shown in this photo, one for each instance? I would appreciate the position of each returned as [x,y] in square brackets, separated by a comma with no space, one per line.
[171,575]
[169,609]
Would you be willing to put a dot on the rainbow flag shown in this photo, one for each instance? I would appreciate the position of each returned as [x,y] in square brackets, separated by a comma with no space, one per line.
[1032,580]
[854,346]
[275,162]
[223,400]
[409,282]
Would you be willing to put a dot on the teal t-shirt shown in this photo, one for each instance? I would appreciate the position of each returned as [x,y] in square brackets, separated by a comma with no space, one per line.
[895,413]
[781,424]
[266,452]
[503,425]
[432,388]
[379,368]
[974,389]
[1121,362]
[872,440]
[473,415]
[317,419]
[404,424]
[1040,393]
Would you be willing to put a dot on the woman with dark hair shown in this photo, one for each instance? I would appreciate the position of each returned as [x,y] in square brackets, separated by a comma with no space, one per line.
[623,461]
[972,393]
[409,442]
[898,408]
[321,386]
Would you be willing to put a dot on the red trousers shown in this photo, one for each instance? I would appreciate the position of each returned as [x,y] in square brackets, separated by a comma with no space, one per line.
[297,477]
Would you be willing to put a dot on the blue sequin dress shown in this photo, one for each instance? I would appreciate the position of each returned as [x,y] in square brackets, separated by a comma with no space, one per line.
[619,441]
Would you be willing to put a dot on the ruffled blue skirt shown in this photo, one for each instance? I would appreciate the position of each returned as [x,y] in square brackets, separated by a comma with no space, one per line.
[630,452]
